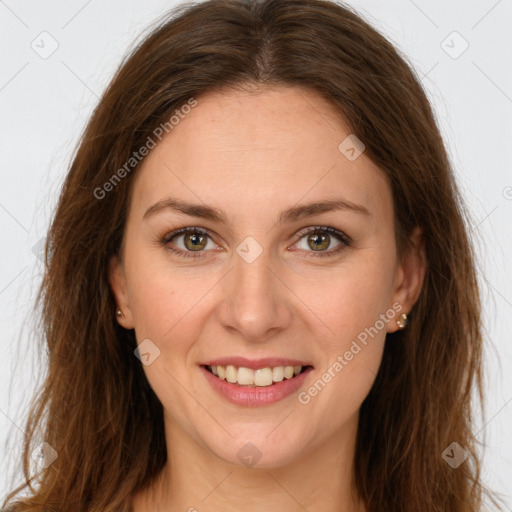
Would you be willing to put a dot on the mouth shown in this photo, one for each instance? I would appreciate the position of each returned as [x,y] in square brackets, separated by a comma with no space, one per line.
[263,377]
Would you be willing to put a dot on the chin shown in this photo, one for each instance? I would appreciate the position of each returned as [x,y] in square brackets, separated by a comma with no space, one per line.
[259,450]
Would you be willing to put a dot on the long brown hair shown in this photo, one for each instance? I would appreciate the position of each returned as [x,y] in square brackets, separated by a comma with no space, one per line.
[96,408]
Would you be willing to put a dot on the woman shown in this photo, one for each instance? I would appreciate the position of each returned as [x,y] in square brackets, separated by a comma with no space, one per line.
[259,289]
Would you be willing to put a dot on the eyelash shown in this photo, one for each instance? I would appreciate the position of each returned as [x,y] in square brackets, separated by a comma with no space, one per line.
[342,237]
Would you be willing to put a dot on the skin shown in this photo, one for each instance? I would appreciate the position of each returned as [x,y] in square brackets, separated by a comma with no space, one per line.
[254,154]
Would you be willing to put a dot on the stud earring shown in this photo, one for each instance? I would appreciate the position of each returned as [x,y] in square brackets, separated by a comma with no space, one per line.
[119,312]
[402,321]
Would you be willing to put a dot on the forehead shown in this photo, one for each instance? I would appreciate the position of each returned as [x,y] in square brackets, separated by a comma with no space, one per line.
[268,149]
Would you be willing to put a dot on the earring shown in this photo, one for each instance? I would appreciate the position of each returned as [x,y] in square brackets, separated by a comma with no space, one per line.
[402,321]
[119,312]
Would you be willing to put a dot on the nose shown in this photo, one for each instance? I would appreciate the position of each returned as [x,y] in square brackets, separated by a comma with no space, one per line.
[255,301]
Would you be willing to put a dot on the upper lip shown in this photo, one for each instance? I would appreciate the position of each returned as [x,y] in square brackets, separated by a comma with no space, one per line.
[256,363]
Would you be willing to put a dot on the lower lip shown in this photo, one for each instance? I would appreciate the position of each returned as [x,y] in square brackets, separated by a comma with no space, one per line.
[255,396]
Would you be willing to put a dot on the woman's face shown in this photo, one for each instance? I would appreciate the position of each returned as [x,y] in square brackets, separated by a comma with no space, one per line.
[259,288]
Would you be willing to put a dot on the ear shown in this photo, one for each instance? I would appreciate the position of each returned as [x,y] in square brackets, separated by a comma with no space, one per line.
[117,281]
[409,275]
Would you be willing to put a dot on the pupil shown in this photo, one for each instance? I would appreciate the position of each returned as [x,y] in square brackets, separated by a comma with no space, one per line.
[196,240]
[318,240]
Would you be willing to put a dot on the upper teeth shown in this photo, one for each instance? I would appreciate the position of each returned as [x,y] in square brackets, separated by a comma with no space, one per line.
[259,377]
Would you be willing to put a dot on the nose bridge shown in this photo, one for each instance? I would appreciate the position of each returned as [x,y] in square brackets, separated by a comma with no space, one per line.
[255,301]
[252,279]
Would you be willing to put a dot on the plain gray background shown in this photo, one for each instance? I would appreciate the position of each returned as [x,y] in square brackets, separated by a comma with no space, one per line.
[57,58]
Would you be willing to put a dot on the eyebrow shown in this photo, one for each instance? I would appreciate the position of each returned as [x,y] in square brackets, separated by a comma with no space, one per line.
[290,215]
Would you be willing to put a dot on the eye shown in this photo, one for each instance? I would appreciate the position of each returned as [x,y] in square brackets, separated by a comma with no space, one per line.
[194,241]
[320,238]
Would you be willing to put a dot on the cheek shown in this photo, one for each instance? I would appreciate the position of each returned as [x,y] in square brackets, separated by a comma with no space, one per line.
[337,394]
[353,303]
[168,302]
[346,298]
[161,300]
[350,357]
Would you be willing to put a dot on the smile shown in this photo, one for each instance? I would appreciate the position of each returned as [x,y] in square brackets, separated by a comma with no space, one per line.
[260,377]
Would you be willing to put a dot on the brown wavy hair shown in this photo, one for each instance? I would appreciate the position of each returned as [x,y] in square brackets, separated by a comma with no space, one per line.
[96,408]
